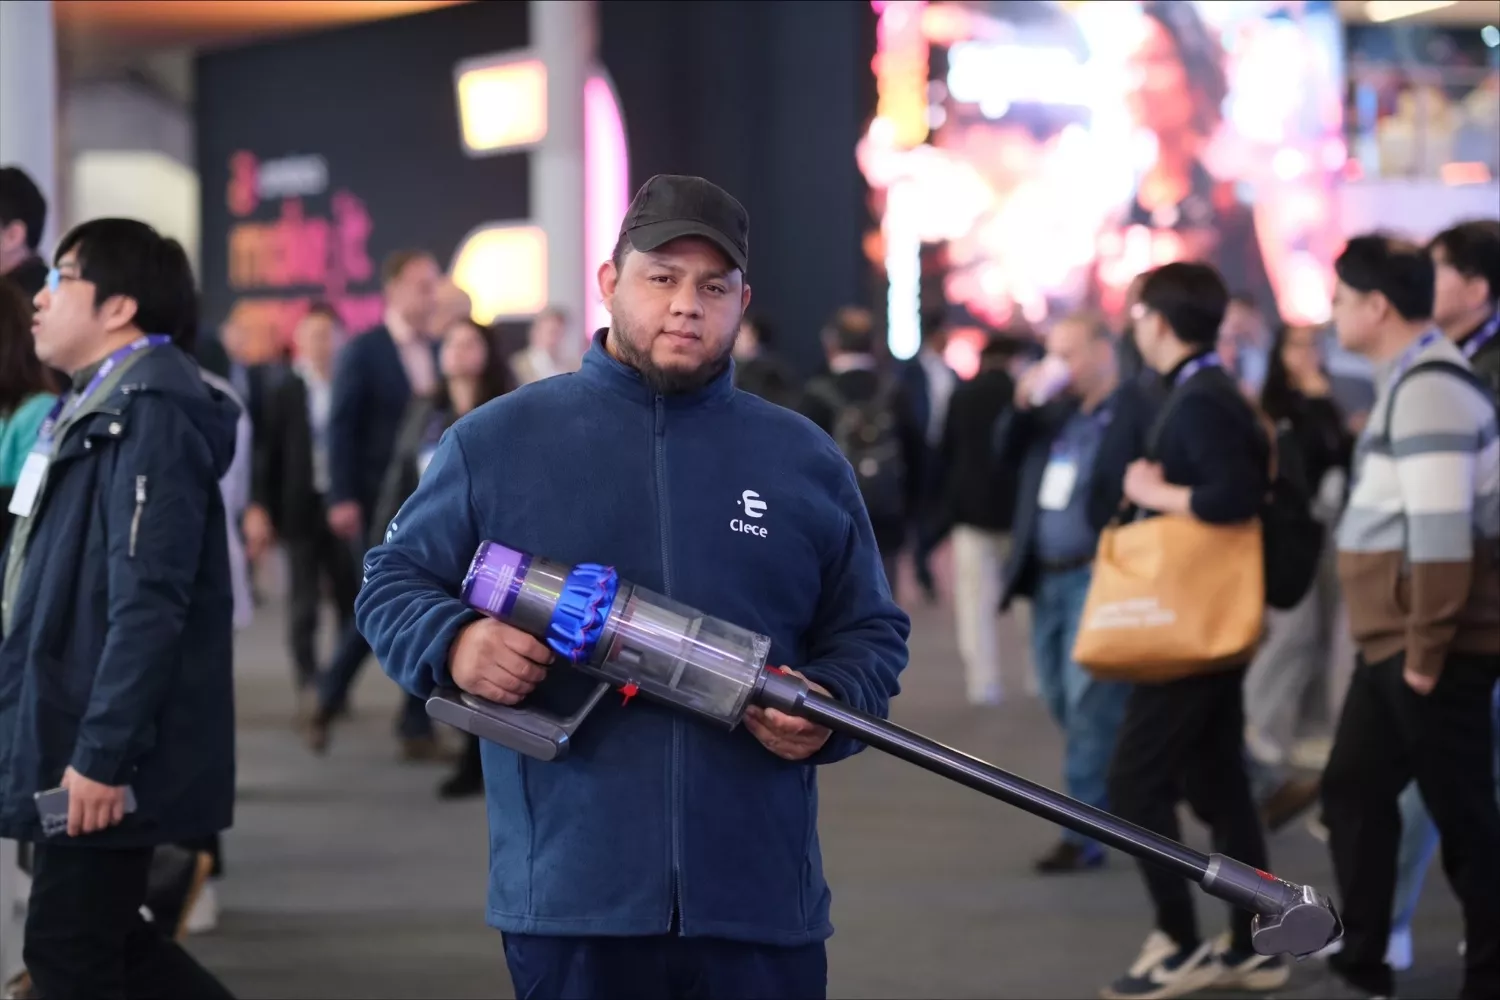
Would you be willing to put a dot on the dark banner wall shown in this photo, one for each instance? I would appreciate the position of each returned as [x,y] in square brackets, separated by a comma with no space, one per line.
[321,154]
[767,100]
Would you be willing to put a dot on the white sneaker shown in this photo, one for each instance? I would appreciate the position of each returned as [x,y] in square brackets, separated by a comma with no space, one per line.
[991,695]
[1311,754]
[1163,970]
[1398,950]
[204,916]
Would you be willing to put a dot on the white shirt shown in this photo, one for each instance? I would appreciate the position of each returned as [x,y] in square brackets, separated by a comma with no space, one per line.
[319,405]
[941,381]
[416,354]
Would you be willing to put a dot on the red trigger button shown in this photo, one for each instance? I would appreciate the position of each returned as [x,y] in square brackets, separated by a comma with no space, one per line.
[629,691]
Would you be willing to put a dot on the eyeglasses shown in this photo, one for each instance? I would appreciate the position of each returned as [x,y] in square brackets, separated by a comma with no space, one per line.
[56,278]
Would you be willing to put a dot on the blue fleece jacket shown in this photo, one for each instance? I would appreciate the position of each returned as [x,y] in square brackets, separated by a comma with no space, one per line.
[653,814]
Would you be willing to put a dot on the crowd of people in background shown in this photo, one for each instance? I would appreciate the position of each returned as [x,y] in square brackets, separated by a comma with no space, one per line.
[1186,409]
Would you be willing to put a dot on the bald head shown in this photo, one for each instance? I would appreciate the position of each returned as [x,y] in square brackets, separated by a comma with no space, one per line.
[1082,342]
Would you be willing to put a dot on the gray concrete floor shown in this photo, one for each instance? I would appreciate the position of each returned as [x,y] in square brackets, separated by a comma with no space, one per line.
[346,877]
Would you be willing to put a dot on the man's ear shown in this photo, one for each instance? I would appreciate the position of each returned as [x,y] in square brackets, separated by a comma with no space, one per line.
[608,279]
[12,235]
[745,299]
[118,312]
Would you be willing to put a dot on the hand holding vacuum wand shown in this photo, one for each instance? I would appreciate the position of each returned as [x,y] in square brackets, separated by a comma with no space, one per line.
[641,642]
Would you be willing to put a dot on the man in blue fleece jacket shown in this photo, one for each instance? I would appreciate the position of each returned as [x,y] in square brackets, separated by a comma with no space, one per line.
[663,857]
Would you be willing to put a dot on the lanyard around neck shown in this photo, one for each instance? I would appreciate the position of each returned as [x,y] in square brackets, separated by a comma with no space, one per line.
[67,406]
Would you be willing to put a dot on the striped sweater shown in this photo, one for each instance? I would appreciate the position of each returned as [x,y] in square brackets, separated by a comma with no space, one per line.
[1419,543]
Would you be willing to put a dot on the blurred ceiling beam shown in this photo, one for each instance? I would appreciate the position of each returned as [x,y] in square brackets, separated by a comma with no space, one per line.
[94,25]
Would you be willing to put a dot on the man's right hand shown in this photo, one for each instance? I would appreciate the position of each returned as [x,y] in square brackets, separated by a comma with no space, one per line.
[345,519]
[497,662]
[1026,385]
[259,534]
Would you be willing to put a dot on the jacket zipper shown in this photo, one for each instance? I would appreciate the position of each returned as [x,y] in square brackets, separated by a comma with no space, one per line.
[140,506]
[666,571]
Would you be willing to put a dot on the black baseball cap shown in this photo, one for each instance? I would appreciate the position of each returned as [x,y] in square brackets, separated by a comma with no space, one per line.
[669,206]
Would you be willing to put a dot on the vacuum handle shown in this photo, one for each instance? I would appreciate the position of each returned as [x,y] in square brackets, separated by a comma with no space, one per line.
[529,731]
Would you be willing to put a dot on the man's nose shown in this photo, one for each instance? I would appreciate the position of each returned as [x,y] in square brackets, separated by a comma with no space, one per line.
[687,301]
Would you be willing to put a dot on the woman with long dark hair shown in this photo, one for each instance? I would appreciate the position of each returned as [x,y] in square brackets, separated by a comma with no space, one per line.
[27,392]
[474,370]
[1178,84]
[1286,685]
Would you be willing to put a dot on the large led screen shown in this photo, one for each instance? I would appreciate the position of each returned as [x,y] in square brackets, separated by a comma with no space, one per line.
[1031,158]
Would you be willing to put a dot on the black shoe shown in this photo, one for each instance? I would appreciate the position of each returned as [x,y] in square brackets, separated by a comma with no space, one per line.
[176,878]
[464,784]
[318,732]
[1070,857]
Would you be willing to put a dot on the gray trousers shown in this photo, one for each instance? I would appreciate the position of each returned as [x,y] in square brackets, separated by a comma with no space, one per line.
[1287,686]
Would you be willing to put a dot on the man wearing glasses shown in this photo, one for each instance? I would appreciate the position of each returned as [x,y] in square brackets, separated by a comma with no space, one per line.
[116,706]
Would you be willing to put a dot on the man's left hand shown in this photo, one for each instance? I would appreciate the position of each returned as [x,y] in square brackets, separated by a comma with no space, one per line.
[1143,484]
[1420,683]
[92,806]
[787,736]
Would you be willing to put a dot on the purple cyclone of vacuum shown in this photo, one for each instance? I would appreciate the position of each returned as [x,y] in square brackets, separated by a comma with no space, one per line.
[494,579]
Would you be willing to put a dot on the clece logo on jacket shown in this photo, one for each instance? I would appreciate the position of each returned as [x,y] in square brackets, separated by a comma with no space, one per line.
[754,507]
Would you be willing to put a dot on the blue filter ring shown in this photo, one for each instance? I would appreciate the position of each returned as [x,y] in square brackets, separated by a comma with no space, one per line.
[578,619]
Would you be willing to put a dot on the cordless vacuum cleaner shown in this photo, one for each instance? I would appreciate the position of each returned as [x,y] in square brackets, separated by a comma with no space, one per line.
[643,643]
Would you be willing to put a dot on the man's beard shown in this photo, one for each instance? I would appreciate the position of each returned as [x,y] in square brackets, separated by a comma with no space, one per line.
[669,381]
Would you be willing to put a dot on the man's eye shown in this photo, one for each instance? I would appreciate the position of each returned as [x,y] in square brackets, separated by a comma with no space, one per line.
[715,289]
[660,279]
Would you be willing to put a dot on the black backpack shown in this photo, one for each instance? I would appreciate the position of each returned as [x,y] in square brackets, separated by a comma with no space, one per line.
[868,432]
[1292,538]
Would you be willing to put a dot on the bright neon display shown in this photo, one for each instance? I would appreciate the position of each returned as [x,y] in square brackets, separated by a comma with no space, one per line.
[1074,145]
[607,186]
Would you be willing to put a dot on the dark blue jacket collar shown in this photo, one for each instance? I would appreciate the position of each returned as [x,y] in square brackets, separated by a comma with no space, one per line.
[607,372]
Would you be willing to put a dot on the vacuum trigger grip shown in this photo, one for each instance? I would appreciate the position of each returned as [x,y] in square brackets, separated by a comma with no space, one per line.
[529,731]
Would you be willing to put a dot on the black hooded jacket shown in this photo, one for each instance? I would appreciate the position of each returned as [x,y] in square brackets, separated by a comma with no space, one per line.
[118,659]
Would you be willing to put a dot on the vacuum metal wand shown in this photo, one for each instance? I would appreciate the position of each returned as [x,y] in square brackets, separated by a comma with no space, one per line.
[1289,919]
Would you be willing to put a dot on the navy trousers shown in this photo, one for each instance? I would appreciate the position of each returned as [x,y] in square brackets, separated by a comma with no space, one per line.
[666,967]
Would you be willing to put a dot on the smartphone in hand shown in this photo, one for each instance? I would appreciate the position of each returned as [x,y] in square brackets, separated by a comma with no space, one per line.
[52,807]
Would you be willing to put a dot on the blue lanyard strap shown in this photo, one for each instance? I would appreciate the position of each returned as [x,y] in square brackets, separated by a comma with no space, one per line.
[72,403]
[1409,356]
[1193,367]
[1484,336]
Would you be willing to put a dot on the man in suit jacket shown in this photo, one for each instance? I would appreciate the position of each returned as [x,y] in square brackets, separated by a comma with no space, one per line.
[929,385]
[1072,442]
[376,376]
[289,487]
